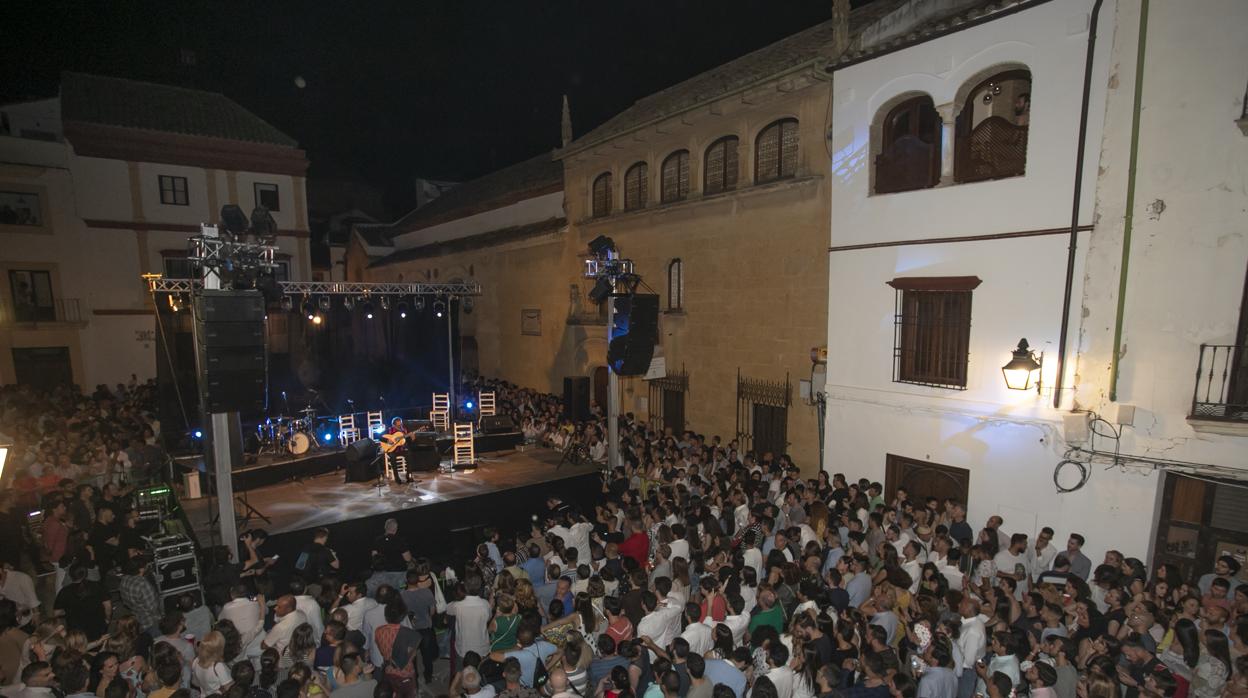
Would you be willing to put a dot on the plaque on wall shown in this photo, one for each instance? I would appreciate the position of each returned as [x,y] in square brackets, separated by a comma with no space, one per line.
[531,321]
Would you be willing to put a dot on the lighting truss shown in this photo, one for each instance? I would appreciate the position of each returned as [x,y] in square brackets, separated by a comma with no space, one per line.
[211,252]
[158,284]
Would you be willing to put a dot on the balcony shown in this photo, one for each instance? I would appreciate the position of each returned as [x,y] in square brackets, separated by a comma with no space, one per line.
[1220,397]
[62,311]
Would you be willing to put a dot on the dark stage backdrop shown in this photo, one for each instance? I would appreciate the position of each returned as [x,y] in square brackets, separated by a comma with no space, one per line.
[388,363]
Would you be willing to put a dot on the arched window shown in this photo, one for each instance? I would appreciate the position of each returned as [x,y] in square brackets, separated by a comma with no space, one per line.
[675,285]
[719,168]
[775,151]
[602,195]
[909,156]
[636,186]
[991,130]
[675,176]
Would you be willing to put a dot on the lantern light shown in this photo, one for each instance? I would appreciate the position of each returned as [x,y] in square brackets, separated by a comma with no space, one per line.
[1023,370]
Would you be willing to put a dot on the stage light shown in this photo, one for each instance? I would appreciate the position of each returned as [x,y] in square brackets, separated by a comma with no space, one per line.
[233,219]
[288,303]
[199,434]
[379,428]
[602,247]
[263,226]
[368,309]
[468,404]
[418,305]
[601,290]
[317,319]
[385,302]
[402,308]
[439,308]
[468,305]
[308,309]
[326,303]
[348,302]
[329,436]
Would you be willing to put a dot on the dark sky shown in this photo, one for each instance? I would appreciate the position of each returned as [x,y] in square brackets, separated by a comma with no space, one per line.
[396,89]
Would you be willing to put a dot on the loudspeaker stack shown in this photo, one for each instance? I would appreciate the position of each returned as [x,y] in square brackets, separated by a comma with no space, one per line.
[634,331]
[229,332]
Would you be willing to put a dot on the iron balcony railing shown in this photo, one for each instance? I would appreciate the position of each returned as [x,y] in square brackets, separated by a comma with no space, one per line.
[59,310]
[1221,390]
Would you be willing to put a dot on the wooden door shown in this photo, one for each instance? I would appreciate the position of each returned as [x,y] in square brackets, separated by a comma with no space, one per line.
[601,381]
[922,479]
[43,367]
[770,429]
[674,410]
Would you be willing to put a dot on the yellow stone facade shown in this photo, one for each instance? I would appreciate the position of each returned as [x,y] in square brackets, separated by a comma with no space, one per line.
[755,268]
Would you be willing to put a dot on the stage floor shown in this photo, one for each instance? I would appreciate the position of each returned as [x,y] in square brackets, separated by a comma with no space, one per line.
[325,500]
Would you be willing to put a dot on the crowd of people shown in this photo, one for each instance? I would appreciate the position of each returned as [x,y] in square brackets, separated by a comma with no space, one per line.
[702,570]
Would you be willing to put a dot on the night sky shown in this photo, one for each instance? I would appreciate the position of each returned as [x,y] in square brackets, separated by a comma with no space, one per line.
[394,89]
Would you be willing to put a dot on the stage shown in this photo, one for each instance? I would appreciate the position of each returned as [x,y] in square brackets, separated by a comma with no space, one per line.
[437,513]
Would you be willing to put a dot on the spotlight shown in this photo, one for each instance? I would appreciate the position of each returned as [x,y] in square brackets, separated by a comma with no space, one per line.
[288,303]
[308,309]
[233,219]
[328,436]
[468,404]
[348,302]
[262,225]
[325,302]
[385,302]
[439,308]
[601,290]
[602,246]
[368,309]
[418,305]
[402,308]
[468,305]
[199,433]
[317,319]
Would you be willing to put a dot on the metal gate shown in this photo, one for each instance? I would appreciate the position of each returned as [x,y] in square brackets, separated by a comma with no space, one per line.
[667,401]
[763,414]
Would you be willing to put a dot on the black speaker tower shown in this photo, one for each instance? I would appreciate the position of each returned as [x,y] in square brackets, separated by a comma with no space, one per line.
[229,337]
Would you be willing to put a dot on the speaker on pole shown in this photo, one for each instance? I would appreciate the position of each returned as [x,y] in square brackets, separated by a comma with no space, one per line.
[229,335]
[634,331]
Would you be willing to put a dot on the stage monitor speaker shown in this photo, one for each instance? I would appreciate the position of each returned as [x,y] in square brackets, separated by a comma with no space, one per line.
[497,424]
[363,450]
[576,397]
[212,305]
[422,452]
[634,331]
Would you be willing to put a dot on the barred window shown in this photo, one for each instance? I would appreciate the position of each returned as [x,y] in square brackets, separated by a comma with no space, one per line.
[775,151]
[932,330]
[720,166]
[602,195]
[636,186]
[675,186]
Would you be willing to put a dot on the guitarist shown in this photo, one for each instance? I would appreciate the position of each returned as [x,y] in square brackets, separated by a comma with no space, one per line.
[392,443]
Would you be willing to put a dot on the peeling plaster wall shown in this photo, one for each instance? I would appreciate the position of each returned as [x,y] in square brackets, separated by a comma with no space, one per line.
[1190,239]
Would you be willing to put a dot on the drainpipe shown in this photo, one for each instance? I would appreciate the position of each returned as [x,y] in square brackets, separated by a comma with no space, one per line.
[1129,215]
[1074,215]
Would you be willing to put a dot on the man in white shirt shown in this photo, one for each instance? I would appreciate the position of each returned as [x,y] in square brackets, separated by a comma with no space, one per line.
[247,615]
[696,633]
[1040,556]
[778,672]
[973,642]
[576,536]
[948,566]
[472,616]
[20,589]
[753,556]
[354,599]
[1012,563]
[287,619]
[660,623]
[309,606]
[738,621]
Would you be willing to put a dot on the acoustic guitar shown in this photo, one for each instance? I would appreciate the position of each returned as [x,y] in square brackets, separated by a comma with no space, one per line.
[393,442]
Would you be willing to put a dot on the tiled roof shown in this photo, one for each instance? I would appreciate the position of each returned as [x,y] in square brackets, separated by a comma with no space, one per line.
[473,242]
[878,27]
[735,75]
[107,101]
[375,234]
[535,176]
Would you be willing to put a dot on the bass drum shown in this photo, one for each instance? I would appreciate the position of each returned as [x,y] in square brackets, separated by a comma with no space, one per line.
[300,443]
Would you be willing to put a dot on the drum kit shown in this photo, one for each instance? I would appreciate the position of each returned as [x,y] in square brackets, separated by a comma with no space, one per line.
[294,435]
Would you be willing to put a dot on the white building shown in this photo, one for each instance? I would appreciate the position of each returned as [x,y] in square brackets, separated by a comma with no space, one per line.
[952,210]
[104,183]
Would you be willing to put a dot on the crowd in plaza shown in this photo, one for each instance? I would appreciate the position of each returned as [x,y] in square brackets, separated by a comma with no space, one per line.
[701,570]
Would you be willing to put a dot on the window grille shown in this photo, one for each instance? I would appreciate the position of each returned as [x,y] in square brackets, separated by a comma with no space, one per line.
[636,186]
[675,285]
[602,195]
[676,176]
[720,166]
[933,330]
[776,151]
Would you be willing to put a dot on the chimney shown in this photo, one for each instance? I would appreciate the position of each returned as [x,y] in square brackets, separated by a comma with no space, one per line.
[840,31]
[566,125]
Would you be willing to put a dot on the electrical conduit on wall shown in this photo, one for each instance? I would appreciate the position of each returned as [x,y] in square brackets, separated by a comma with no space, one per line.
[1129,215]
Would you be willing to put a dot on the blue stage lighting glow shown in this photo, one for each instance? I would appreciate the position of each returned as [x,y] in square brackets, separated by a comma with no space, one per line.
[470,404]
[329,437]
[199,434]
